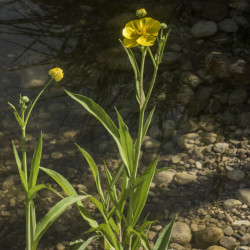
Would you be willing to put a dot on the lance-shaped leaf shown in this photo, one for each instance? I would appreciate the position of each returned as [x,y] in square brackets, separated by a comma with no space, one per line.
[52,215]
[80,245]
[95,110]
[163,241]
[34,169]
[69,190]
[141,193]
[94,170]
[126,142]
[19,166]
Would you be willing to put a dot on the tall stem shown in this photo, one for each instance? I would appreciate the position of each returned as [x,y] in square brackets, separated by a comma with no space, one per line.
[144,52]
[28,225]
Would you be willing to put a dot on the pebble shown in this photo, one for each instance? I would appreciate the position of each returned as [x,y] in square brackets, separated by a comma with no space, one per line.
[204,28]
[216,248]
[243,195]
[228,25]
[56,155]
[181,233]
[228,230]
[164,177]
[190,79]
[237,96]
[185,94]
[230,203]
[228,242]
[236,175]
[184,178]
[221,147]
[238,223]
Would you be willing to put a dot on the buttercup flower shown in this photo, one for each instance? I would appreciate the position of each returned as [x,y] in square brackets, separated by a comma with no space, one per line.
[141,13]
[141,32]
[56,74]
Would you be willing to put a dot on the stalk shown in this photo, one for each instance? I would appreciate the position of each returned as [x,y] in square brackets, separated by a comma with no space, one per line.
[28,225]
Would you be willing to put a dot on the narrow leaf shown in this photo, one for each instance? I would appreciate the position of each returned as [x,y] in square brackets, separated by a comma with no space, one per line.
[147,123]
[19,166]
[95,110]
[53,214]
[69,190]
[80,245]
[141,193]
[94,170]
[163,241]
[34,169]
[126,142]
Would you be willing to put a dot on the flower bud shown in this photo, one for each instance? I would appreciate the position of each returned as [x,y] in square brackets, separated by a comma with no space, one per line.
[163,26]
[141,13]
[56,74]
[25,99]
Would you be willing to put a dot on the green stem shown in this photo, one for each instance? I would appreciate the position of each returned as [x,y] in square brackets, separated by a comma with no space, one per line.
[24,148]
[28,225]
[33,104]
[144,52]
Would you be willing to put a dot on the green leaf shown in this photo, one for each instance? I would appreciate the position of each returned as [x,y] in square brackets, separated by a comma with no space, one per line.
[19,166]
[147,123]
[80,245]
[52,215]
[141,193]
[126,142]
[94,170]
[142,237]
[109,235]
[69,190]
[33,218]
[95,110]
[163,241]
[34,169]
[18,118]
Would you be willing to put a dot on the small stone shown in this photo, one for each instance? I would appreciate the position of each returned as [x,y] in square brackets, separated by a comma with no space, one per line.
[209,138]
[185,94]
[60,246]
[185,140]
[184,178]
[244,195]
[190,79]
[221,147]
[151,235]
[165,177]
[198,165]
[181,233]
[228,242]
[176,158]
[236,175]
[230,203]
[243,119]
[215,10]
[8,182]
[228,25]
[70,134]
[176,246]
[228,230]
[150,143]
[216,248]
[56,155]
[238,96]
[204,28]
[171,57]
[238,223]
[208,236]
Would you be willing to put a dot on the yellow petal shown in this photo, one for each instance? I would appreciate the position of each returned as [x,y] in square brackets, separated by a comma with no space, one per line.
[146,40]
[129,33]
[151,26]
[135,25]
[130,43]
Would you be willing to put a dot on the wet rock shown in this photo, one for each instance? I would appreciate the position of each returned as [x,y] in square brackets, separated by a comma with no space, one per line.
[171,57]
[215,10]
[176,246]
[185,94]
[216,248]
[186,141]
[217,65]
[209,138]
[181,233]
[228,230]
[236,175]
[244,119]
[243,195]
[150,143]
[230,203]
[184,178]
[200,100]
[238,96]
[228,242]
[221,147]
[168,127]
[120,21]
[164,177]
[208,236]
[204,28]
[190,79]
[241,5]
[228,25]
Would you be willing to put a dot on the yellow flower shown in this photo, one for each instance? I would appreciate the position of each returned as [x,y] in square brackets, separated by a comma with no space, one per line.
[56,74]
[141,32]
[141,13]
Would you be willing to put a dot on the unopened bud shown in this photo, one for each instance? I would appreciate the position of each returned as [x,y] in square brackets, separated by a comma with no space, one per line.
[25,99]
[141,13]
[163,26]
